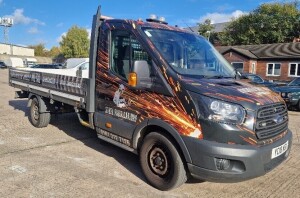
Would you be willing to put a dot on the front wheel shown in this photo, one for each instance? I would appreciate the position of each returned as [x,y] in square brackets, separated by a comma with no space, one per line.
[37,119]
[161,163]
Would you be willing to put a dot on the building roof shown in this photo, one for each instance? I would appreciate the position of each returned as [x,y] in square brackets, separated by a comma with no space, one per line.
[265,51]
[217,27]
[23,46]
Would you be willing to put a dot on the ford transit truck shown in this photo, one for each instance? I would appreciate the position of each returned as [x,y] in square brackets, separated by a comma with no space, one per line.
[167,95]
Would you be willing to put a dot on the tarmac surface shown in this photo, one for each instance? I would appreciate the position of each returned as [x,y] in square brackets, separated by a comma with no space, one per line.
[66,159]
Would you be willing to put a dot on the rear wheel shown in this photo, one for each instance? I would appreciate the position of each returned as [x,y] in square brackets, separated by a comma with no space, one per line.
[36,118]
[161,162]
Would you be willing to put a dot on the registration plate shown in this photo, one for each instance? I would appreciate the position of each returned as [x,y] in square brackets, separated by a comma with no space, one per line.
[279,150]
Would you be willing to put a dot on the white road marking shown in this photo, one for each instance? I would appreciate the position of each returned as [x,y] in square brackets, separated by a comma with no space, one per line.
[18,169]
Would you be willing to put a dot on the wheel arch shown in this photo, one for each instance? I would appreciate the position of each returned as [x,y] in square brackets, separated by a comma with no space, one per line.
[156,125]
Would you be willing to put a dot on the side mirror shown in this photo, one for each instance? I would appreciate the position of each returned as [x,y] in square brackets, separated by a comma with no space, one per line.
[140,75]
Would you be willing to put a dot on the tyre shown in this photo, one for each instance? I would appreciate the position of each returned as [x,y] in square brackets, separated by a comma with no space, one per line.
[298,105]
[161,163]
[37,119]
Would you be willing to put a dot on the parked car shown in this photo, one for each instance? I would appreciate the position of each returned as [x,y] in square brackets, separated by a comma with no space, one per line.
[29,62]
[2,65]
[74,62]
[257,79]
[290,93]
[46,66]
[14,62]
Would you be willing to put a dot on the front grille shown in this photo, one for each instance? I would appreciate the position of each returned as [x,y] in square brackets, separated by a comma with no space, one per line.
[271,121]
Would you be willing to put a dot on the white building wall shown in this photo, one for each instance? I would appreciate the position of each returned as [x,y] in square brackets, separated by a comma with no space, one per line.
[5,49]
[15,50]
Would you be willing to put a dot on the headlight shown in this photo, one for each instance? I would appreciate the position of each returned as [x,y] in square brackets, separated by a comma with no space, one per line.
[292,94]
[225,112]
[283,94]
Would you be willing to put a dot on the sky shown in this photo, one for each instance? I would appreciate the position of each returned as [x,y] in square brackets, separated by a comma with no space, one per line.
[45,21]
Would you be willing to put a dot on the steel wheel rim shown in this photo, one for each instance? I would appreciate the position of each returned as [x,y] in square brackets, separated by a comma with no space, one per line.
[158,161]
[35,112]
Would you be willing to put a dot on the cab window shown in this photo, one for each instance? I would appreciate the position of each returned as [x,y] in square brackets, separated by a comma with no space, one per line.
[125,49]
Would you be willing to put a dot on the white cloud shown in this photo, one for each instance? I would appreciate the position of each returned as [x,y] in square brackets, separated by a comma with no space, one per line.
[33,30]
[59,39]
[19,18]
[219,17]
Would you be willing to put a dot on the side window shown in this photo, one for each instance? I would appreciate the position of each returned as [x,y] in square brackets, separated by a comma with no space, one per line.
[294,69]
[239,66]
[295,82]
[257,79]
[85,66]
[273,69]
[125,49]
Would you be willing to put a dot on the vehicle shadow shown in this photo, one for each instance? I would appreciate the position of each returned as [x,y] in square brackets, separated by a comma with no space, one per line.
[20,105]
[69,123]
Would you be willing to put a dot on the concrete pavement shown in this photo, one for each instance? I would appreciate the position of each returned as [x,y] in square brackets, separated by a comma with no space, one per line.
[67,160]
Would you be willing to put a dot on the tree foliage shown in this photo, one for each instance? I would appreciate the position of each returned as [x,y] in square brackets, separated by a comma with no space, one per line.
[54,52]
[269,23]
[76,43]
[206,29]
[39,49]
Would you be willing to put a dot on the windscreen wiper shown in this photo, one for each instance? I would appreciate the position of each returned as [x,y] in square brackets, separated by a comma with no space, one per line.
[196,76]
[219,77]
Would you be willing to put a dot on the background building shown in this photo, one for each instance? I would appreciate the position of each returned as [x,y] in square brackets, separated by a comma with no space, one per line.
[15,50]
[278,62]
[8,51]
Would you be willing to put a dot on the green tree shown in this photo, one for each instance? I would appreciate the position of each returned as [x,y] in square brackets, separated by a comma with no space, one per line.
[76,43]
[54,52]
[39,49]
[205,28]
[269,23]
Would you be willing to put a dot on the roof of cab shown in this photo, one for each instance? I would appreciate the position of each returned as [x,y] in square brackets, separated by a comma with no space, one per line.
[155,25]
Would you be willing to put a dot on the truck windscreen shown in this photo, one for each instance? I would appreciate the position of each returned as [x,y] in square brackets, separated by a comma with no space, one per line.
[189,54]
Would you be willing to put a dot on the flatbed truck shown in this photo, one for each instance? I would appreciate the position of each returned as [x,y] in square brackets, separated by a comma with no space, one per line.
[167,95]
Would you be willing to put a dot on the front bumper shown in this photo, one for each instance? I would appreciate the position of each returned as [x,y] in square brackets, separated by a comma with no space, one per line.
[246,161]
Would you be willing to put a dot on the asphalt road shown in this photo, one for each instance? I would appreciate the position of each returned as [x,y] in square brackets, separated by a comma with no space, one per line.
[67,160]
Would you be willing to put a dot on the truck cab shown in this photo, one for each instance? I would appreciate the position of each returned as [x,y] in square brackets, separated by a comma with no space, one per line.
[157,86]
